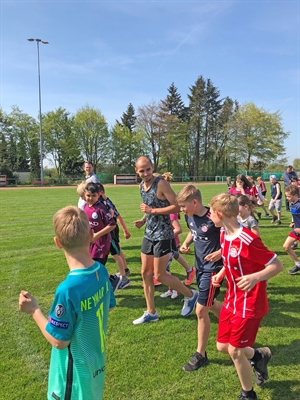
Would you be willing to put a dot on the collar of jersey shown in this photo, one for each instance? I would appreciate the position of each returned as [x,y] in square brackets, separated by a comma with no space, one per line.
[84,270]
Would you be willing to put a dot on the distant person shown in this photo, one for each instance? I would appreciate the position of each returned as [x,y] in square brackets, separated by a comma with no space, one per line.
[159,201]
[77,322]
[292,194]
[80,191]
[245,216]
[228,181]
[241,185]
[90,176]
[247,266]
[287,177]
[276,200]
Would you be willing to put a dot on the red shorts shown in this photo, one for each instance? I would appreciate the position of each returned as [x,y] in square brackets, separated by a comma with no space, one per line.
[237,331]
[294,235]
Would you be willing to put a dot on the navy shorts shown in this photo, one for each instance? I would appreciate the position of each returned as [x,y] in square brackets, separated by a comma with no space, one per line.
[207,292]
[158,248]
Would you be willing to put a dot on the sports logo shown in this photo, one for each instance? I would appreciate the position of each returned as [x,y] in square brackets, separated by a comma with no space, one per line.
[94,215]
[60,310]
[233,252]
[204,228]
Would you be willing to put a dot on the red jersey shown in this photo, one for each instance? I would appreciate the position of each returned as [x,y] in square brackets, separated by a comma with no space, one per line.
[243,255]
[253,191]
[234,191]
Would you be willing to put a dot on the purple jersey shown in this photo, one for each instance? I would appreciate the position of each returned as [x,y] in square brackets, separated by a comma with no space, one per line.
[99,218]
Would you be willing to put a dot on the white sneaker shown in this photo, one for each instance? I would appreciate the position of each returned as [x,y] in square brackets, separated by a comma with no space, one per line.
[175,294]
[146,317]
[189,304]
[169,293]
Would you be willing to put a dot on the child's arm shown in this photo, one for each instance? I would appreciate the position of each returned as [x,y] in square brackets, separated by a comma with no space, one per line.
[255,230]
[103,232]
[29,305]
[124,227]
[177,230]
[247,282]
[185,245]
[217,279]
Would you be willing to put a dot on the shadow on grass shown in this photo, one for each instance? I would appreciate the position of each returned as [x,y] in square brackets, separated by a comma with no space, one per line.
[284,389]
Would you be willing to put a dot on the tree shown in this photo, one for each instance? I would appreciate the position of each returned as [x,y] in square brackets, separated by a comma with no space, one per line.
[60,141]
[296,164]
[260,134]
[173,103]
[92,135]
[128,118]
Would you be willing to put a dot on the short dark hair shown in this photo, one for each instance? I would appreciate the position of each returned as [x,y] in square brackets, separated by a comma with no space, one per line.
[88,162]
[101,187]
[92,187]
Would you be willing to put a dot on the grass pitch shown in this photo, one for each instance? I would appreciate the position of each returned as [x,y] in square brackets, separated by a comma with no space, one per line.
[145,361]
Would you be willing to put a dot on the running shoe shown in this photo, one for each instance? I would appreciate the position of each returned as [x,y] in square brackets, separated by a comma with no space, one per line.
[259,215]
[146,317]
[273,219]
[261,367]
[278,222]
[168,293]
[243,396]
[294,270]
[124,284]
[294,245]
[175,294]
[155,282]
[127,272]
[189,304]
[197,361]
[267,215]
[115,282]
[190,276]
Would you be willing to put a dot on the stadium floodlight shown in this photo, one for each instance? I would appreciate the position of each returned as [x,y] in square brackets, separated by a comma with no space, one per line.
[40,104]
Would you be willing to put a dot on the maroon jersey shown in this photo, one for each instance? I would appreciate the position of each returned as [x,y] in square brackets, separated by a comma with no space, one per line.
[99,218]
[244,255]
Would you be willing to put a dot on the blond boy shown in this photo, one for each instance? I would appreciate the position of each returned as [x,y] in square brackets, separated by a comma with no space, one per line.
[77,322]
[247,266]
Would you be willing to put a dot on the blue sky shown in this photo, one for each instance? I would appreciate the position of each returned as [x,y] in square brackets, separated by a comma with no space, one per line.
[111,53]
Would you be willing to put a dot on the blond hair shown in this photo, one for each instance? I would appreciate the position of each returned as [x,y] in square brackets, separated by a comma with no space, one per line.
[226,203]
[168,176]
[188,193]
[72,228]
[81,188]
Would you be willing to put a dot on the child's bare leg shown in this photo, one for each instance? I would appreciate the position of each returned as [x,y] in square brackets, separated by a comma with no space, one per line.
[241,358]
[288,248]
[182,262]
[120,264]
[216,308]
[203,328]
[123,259]
[147,275]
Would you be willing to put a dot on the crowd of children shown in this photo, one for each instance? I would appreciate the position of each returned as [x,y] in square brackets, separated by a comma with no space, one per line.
[227,245]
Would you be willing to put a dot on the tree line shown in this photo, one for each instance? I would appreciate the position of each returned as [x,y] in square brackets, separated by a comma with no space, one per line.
[211,135]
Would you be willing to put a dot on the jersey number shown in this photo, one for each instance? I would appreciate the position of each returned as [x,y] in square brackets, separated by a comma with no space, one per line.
[99,314]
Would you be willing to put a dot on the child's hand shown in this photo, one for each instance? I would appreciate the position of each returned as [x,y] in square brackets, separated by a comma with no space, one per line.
[127,235]
[139,223]
[216,280]
[184,248]
[246,282]
[215,256]
[27,303]
[297,230]
[112,213]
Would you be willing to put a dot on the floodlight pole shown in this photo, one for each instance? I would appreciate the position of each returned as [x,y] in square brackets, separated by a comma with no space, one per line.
[40,105]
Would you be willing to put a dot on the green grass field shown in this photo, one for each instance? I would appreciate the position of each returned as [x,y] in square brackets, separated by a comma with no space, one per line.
[143,361]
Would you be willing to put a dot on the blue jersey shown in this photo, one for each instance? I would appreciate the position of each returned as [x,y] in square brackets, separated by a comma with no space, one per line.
[79,314]
[295,210]
[206,238]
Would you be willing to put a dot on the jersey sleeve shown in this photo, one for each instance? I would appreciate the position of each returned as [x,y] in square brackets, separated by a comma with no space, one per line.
[173,217]
[107,218]
[259,253]
[252,222]
[62,316]
[112,207]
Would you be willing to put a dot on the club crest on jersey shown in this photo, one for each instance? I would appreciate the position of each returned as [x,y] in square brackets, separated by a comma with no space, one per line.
[60,310]
[94,215]
[204,228]
[233,252]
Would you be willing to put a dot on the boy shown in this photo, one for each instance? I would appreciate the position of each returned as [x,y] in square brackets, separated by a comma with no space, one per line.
[247,266]
[80,191]
[101,223]
[292,196]
[159,201]
[78,314]
[115,249]
[206,238]
[276,200]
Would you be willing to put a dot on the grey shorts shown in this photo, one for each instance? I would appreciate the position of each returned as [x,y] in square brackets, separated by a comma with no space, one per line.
[277,205]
